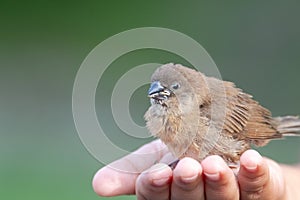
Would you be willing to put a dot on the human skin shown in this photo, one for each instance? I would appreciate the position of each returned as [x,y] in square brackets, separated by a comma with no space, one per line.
[257,178]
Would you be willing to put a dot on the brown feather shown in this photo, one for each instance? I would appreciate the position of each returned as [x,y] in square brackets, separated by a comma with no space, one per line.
[208,116]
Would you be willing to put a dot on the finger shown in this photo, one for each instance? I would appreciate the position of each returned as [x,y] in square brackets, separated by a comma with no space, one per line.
[187,180]
[255,179]
[154,183]
[220,181]
[119,177]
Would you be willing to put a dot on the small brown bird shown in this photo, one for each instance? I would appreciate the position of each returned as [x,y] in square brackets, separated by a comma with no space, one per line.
[197,116]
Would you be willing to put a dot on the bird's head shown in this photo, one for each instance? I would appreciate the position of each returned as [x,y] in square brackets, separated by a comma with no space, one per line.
[175,85]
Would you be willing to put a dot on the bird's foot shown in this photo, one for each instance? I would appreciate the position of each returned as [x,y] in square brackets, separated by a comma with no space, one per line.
[173,164]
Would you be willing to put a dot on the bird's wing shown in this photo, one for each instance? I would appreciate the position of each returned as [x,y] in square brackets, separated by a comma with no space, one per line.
[246,119]
[237,112]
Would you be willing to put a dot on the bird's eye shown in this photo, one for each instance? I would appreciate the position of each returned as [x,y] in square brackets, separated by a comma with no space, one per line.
[175,86]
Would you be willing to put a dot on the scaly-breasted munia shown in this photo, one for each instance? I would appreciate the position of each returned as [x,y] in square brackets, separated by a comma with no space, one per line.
[197,116]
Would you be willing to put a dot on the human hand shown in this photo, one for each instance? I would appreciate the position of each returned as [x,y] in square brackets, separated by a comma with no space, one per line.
[258,178]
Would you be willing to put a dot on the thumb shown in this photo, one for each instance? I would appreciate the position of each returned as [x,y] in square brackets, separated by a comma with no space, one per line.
[119,177]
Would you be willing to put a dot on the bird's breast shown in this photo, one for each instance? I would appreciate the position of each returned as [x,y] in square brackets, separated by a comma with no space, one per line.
[175,128]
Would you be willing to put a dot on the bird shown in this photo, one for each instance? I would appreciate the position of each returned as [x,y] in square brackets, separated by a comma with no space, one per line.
[196,116]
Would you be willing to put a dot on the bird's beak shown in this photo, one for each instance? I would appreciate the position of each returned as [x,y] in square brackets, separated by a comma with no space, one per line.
[157,91]
[155,87]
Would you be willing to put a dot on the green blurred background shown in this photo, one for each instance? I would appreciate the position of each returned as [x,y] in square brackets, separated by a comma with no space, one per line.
[42,44]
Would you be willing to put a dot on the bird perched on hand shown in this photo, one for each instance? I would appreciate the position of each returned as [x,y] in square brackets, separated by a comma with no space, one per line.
[197,116]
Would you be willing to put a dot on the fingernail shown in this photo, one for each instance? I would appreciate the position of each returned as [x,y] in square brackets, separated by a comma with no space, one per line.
[251,166]
[213,177]
[161,181]
[189,179]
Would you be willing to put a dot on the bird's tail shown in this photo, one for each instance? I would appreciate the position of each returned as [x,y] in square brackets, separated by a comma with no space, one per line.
[288,125]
